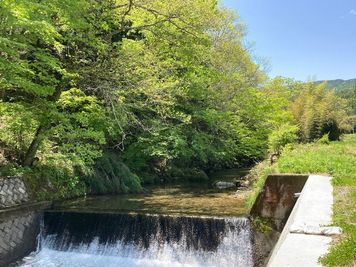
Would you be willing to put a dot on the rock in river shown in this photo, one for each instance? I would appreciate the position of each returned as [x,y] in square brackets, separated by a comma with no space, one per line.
[225,185]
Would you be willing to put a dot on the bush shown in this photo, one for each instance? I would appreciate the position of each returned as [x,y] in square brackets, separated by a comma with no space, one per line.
[111,175]
[324,140]
[54,178]
[278,139]
[318,110]
[258,176]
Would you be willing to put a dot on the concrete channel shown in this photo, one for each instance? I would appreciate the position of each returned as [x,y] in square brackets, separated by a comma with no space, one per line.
[306,235]
[300,207]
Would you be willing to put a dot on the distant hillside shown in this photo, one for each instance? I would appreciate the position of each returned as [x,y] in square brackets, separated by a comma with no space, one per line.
[345,89]
[341,85]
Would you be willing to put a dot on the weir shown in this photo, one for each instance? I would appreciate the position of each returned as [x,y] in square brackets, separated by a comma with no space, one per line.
[91,239]
[97,232]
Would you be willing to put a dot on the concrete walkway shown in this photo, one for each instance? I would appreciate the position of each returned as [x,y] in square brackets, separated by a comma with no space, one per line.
[313,209]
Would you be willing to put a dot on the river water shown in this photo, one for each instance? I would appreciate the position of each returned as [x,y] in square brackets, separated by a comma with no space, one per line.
[181,198]
[88,239]
[172,225]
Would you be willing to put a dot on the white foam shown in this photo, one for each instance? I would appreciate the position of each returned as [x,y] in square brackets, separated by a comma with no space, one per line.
[235,249]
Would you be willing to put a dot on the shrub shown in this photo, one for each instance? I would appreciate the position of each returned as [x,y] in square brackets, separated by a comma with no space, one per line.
[278,139]
[324,139]
[111,175]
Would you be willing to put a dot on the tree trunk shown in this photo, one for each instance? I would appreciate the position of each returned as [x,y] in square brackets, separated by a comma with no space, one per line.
[32,150]
[39,135]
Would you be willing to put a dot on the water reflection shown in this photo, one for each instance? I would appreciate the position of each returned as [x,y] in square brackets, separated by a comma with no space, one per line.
[188,198]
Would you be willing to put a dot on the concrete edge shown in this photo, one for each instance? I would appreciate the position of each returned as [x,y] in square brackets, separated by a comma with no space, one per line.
[25,208]
[285,231]
[294,249]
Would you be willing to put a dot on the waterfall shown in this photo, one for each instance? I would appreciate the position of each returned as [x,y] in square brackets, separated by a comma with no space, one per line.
[105,240]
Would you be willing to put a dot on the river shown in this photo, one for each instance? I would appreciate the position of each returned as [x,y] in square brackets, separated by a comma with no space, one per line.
[179,224]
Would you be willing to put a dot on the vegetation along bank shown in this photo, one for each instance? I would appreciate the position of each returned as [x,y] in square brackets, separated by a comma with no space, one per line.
[337,159]
[102,97]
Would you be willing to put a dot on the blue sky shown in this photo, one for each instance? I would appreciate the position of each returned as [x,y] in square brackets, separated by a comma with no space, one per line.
[302,39]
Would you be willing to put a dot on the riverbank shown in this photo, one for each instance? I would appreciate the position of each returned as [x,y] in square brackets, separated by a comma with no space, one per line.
[337,159]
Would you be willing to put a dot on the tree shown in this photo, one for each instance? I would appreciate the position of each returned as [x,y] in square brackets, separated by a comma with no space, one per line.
[318,111]
[38,55]
[164,86]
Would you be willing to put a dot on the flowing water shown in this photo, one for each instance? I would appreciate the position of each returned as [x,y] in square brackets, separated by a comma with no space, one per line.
[87,239]
[172,225]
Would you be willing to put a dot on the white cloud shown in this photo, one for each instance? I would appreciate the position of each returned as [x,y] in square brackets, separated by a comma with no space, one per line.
[353,12]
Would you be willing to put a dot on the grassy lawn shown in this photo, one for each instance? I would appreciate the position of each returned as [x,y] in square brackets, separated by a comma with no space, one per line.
[337,159]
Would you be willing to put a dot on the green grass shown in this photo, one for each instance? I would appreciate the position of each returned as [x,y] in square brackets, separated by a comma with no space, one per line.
[258,176]
[339,160]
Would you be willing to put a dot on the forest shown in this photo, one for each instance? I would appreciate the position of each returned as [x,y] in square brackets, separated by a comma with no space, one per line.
[104,96]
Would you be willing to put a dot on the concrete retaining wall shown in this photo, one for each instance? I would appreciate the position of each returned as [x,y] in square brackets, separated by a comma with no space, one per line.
[313,208]
[18,234]
[19,220]
[12,192]
[274,203]
[276,199]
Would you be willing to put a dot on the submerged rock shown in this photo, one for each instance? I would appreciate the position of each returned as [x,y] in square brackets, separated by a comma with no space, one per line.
[225,185]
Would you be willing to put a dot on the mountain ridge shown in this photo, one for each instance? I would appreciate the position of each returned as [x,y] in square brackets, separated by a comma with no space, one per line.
[340,84]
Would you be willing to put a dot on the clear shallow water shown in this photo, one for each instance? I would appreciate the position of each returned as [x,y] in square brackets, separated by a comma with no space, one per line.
[202,199]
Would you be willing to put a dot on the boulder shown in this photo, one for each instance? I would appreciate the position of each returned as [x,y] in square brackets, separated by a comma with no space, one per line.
[225,185]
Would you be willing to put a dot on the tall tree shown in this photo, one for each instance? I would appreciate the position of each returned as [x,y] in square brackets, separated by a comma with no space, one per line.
[319,111]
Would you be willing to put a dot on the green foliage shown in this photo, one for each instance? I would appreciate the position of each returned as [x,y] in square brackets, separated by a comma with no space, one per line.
[278,139]
[263,225]
[258,176]
[17,125]
[337,159]
[179,89]
[342,254]
[70,147]
[166,86]
[81,126]
[192,114]
[318,111]
[324,139]
[110,175]
[340,85]
[349,93]
[54,178]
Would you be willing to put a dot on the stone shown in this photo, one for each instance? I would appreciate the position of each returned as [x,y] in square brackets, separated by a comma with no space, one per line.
[18,235]
[225,185]
[12,192]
